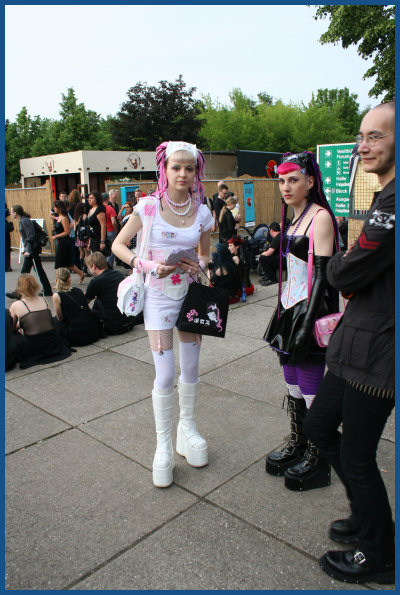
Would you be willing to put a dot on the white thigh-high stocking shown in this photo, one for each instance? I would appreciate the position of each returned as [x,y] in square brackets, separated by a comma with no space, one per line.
[165,368]
[309,400]
[189,354]
[294,391]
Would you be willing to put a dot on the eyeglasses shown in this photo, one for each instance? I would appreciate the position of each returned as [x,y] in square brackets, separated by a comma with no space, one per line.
[370,139]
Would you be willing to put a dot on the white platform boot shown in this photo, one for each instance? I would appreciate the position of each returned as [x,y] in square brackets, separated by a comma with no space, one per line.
[189,443]
[163,463]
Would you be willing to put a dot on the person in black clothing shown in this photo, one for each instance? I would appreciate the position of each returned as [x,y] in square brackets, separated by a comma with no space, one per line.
[74,319]
[358,391]
[32,250]
[224,270]
[11,342]
[103,289]
[97,222]
[39,342]
[219,202]
[8,230]
[227,223]
[62,230]
[269,260]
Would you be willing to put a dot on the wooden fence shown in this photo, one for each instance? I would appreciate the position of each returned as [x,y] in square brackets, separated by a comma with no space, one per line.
[37,202]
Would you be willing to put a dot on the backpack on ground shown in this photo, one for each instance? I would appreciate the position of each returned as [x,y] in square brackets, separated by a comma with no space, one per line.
[41,236]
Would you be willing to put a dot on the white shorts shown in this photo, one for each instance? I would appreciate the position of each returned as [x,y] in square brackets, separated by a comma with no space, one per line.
[160,312]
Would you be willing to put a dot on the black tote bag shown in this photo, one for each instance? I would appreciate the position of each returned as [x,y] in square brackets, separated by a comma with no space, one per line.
[204,310]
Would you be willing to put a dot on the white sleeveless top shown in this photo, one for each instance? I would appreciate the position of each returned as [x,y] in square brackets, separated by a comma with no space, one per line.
[164,238]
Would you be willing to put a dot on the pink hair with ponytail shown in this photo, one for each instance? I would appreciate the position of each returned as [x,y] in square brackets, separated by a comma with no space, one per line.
[197,190]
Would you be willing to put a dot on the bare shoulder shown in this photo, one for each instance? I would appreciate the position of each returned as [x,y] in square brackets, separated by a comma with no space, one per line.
[17,309]
[323,219]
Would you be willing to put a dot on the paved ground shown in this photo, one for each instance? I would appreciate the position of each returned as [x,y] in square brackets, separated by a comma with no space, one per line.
[81,510]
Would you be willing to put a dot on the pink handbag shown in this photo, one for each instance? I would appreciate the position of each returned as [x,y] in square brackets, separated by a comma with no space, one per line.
[324,326]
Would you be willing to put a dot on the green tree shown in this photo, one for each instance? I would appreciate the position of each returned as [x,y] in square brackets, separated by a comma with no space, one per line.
[372,27]
[19,139]
[343,104]
[79,128]
[155,114]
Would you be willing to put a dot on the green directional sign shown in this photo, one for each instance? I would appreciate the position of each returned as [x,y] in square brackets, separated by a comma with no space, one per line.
[333,161]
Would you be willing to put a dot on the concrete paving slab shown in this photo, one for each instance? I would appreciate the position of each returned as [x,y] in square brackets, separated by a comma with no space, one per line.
[251,321]
[133,335]
[270,302]
[222,416]
[207,548]
[214,352]
[389,430]
[297,518]
[72,504]
[81,352]
[95,386]
[26,424]
[257,375]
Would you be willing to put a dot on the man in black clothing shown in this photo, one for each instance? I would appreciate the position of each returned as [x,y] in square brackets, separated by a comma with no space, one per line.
[103,289]
[218,203]
[32,251]
[358,389]
[269,260]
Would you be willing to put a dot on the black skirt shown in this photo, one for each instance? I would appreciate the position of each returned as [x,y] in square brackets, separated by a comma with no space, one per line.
[281,332]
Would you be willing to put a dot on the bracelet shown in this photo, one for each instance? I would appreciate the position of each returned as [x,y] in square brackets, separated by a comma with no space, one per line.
[102,241]
[130,262]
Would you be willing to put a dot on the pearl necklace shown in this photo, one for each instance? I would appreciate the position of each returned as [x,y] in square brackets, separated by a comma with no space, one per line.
[178,204]
[289,237]
[184,212]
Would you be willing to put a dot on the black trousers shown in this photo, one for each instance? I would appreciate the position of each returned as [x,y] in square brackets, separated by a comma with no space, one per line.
[352,454]
[269,266]
[27,266]
[126,324]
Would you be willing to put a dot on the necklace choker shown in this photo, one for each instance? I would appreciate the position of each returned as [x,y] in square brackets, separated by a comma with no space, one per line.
[184,213]
[177,204]
[298,221]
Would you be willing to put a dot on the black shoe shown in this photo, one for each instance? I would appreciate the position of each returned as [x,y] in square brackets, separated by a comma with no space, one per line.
[351,566]
[344,531]
[266,282]
[311,472]
[13,295]
[278,461]
[9,270]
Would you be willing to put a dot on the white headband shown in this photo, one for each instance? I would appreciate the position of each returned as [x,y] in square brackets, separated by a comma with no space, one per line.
[174,146]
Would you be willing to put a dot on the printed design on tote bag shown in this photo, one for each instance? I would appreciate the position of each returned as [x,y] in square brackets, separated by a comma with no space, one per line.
[214,315]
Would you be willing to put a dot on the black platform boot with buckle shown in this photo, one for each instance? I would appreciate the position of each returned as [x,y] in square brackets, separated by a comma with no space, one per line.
[313,471]
[277,462]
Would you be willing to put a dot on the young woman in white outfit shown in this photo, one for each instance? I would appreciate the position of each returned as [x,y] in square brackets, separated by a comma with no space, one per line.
[180,221]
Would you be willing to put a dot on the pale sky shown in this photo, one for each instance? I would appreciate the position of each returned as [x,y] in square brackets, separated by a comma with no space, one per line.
[101,51]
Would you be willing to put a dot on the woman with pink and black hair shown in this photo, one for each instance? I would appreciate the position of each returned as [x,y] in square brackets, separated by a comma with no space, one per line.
[179,221]
[290,331]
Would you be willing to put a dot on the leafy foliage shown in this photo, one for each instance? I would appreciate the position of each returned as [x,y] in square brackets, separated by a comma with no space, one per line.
[268,125]
[372,27]
[155,114]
